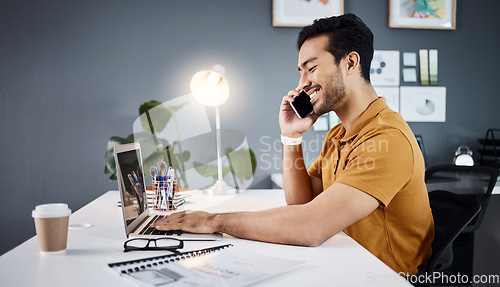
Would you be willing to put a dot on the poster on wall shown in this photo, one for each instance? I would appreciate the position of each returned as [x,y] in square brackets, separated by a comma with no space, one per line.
[423,104]
[384,69]
[391,95]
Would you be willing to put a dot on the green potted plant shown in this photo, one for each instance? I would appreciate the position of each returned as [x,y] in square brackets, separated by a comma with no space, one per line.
[241,163]
[154,149]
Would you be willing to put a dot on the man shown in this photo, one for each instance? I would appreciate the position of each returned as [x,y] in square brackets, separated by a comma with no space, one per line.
[368,180]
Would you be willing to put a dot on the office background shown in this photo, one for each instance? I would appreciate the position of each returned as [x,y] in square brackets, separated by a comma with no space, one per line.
[74,73]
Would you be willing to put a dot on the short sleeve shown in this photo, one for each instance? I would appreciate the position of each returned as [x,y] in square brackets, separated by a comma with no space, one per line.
[315,168]
[379,165]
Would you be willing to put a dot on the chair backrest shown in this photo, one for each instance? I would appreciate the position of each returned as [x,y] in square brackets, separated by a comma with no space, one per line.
[420,141]
[451,213]
[472,182]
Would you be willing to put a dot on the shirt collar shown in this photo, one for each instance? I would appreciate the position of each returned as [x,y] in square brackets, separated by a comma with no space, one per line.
[366,117]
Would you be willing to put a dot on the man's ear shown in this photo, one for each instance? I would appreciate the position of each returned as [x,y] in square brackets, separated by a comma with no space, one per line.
[352,62]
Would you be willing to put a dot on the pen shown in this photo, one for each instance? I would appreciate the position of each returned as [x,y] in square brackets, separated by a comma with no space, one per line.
[131,179]
[137,191]
[134,176]
[171,175]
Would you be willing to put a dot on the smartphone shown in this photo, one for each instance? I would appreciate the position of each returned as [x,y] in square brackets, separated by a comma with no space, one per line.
[302,105]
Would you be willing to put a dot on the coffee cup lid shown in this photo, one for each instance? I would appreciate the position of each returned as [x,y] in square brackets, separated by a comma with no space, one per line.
[51,210]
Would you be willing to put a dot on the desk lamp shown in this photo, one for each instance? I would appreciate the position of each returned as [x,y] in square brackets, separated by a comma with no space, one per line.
[210,88]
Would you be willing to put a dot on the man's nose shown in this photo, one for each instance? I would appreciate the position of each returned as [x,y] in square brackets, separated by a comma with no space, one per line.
[304,83]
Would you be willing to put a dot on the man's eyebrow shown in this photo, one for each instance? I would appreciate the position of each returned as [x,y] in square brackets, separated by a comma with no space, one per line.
[307,62]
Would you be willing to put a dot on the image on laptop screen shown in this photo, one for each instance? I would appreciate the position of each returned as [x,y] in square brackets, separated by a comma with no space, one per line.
[131,179]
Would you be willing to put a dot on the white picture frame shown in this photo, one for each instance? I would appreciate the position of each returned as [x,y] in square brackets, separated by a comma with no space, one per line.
[404,14]
[300,13]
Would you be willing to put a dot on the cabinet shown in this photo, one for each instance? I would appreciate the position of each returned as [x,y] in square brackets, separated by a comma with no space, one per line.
[490,152]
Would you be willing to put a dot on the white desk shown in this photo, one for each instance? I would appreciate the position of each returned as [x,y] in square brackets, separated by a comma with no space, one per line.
[339,261]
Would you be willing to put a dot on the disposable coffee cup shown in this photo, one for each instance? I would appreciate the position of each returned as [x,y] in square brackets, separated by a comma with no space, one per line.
[51,223]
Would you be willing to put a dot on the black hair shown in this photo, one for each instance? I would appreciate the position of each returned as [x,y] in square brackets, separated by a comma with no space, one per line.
[346,33]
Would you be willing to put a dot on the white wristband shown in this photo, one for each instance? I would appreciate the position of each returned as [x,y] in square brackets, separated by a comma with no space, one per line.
[291,141]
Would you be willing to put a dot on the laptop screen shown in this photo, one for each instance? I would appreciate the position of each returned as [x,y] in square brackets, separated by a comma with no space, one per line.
[131,180]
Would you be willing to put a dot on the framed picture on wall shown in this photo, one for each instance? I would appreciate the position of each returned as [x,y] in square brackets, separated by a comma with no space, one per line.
[299,13]
[422,14]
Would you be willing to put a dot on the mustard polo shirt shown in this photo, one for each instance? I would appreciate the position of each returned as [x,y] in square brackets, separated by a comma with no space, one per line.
[380,156]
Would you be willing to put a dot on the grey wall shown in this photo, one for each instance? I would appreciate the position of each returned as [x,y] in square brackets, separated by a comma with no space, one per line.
[73,73]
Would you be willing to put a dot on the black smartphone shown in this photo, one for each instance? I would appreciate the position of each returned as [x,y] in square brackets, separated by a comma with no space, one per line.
[302,105]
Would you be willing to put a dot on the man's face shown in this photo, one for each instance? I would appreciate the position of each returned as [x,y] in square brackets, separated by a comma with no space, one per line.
[320,76]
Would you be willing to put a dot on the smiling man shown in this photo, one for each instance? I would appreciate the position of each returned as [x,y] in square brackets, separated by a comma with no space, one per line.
[368,180]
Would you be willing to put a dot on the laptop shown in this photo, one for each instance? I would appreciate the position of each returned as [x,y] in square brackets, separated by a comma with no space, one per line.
[136,214]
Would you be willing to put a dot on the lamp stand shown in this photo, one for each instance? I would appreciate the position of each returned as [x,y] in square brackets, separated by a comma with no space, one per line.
[220,187]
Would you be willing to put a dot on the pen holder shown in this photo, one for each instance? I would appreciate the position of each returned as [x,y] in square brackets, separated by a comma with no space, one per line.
[164,194]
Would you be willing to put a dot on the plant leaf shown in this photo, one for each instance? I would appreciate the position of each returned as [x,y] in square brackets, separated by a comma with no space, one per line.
[209,170]
[243,163]
[155,115]
[109,159]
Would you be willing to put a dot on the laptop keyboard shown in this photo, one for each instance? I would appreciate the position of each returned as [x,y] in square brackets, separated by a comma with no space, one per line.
[152,231]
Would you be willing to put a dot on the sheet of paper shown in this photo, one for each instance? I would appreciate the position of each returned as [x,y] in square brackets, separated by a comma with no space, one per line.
[423,104]
[384,69]
[227,267]
[424,67]
[433,67]
[409,59]
[333,119]
[321,124]
[391,95]
[409,75]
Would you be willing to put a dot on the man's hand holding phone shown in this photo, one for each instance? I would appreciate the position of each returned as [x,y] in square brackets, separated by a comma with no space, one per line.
[297,119]
[301,105]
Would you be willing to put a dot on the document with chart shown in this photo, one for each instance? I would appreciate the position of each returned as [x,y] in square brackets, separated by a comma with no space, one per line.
[224,265]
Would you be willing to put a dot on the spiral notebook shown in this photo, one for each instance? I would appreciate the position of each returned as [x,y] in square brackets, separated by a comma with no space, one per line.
[223,265]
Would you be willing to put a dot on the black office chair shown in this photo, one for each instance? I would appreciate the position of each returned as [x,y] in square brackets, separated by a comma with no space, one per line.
[458,196]
[451,213]
[420,141]
[471,182]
